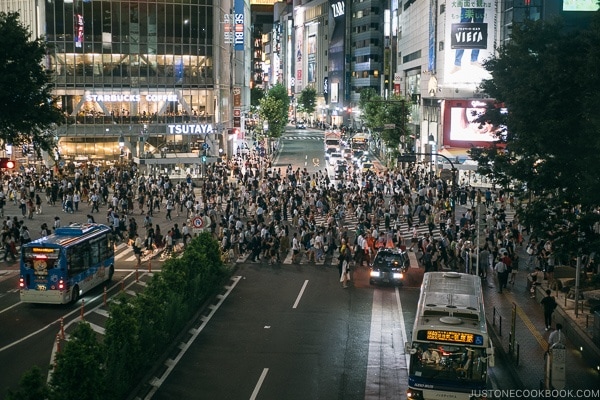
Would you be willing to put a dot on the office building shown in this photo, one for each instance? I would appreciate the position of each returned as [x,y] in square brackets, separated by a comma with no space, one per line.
[139,80]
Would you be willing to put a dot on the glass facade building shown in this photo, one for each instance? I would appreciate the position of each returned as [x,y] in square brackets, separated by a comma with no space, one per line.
[127,71]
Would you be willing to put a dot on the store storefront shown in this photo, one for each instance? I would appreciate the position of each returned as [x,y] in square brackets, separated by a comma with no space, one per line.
[134,79]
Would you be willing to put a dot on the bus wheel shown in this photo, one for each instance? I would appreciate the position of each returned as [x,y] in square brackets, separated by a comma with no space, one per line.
[75,294]
[111,272]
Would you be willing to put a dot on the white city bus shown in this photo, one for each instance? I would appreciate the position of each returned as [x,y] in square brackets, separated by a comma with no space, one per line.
[450,350]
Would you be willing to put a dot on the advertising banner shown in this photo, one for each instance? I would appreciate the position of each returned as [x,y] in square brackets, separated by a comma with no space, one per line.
[299,56]
[461,128]
[470,31]
[312,57]
[336,53]
[238,40]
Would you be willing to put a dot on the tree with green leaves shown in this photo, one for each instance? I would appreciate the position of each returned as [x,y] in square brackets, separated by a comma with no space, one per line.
[394,111]
[545,82]
[32,386]
[308,100]
[28,113]
[256,94]
[80,370]
[377,112]
[368,104]
[124,351]
[274,109]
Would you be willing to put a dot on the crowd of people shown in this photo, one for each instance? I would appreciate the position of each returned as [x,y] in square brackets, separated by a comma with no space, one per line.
[256,209]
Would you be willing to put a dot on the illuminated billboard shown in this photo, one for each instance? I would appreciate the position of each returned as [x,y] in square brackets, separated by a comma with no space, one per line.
[580,5]
[470,36]
[461,128]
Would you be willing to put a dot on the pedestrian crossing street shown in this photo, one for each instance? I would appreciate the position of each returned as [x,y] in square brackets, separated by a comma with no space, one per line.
[351,222]
[124,252]
[293,138]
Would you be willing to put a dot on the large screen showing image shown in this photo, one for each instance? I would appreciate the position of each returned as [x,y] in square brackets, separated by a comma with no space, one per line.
[580,5]
[461,128]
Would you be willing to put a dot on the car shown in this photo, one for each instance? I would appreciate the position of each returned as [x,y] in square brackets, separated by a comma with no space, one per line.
[366,167]
[335,157]
[340,170]
[389,267]
[347,153]
[329,151]
[364,159]
[300,125]
[357,154]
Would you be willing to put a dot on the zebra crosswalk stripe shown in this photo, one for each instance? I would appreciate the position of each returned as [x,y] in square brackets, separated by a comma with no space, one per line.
[302,138]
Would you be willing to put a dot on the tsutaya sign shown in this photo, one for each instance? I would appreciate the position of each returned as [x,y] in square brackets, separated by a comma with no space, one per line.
[132,98]
[190,129]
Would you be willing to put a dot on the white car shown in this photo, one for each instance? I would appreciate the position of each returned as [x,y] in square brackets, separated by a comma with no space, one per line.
[334,158]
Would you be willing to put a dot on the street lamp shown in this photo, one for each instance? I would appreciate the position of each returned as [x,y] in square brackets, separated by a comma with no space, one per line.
[431,141]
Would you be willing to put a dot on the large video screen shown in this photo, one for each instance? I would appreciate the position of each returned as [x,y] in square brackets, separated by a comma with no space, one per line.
[461,125]
[580,5]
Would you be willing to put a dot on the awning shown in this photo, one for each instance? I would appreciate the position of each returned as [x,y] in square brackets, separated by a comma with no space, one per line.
[459,157]
[455,153]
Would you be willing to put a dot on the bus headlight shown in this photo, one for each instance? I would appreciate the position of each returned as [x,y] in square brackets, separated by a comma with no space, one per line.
[413,394]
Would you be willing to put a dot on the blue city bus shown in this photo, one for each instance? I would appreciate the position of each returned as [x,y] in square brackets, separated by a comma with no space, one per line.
[450,350]
[59,268]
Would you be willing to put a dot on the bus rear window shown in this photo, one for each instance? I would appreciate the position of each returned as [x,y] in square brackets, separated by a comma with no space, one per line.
[40,259]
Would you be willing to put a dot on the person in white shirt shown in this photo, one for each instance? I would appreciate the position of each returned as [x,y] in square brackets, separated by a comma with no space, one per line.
[295,248]
[556,336]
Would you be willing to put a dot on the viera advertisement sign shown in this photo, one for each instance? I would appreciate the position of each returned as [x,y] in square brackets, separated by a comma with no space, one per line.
[469,36]
[470,31]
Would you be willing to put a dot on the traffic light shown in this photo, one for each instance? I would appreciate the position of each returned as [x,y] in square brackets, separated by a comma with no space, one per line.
[7,163]
[482,218]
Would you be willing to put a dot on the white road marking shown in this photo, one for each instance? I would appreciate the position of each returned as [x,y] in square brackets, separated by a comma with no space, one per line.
[259,383]
[157,382]
[386,370]
[402,325]
[300,294]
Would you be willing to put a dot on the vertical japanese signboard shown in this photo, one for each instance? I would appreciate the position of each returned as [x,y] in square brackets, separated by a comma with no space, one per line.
[238,40]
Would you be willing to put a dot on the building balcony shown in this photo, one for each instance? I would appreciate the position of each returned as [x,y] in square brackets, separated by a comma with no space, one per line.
[70,80]
[371,18]
[365,82]
[367,50]
[366,66]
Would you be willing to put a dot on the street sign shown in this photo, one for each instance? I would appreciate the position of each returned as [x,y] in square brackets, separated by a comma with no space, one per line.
[237,112]
[389,126]
[408,158]
[197,223]
[446,174]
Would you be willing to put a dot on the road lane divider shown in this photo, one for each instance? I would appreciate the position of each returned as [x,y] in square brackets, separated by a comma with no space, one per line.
[261,379]
[157,382]
[300,294]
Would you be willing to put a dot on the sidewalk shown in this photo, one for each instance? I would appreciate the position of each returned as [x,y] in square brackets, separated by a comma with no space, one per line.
[530,337]
[527,360]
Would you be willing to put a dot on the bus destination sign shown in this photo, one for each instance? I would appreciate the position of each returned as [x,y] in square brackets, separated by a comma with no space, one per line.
[451,337]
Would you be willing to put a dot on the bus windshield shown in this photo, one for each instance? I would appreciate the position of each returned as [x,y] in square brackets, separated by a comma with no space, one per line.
[448,362]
